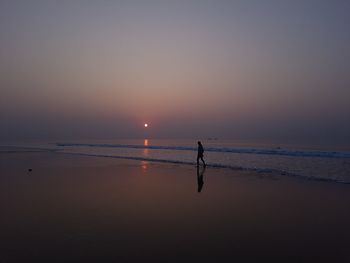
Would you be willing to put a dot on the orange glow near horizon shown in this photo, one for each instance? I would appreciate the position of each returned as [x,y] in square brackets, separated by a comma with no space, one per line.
[146,125]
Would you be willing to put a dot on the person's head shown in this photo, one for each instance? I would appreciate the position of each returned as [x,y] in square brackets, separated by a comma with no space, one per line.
[199,143]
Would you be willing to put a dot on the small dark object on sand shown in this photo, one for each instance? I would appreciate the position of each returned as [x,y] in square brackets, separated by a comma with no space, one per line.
[29,170]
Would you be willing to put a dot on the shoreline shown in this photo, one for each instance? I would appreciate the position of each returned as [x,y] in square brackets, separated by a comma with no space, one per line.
[73,208]
[269,171]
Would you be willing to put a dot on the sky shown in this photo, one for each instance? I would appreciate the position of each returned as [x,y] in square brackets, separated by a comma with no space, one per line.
[252,70]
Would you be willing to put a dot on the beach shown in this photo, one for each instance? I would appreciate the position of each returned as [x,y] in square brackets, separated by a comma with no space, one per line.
[72,208]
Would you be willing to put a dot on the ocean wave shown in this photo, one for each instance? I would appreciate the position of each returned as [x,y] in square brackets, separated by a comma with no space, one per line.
[271,171]
[280,152]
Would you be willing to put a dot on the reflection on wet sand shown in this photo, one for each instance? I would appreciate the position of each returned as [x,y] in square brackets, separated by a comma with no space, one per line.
[144,165]
[200,175]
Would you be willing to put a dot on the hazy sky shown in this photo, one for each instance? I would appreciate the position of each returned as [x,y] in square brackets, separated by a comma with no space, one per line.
[264,70]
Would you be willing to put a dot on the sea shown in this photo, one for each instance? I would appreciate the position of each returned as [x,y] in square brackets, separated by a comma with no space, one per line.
[309,162]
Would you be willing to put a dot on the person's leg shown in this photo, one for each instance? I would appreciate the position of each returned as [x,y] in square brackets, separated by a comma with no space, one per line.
[197,160]
[203,161]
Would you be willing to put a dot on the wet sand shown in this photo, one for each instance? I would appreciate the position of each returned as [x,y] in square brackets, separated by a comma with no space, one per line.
[73,208]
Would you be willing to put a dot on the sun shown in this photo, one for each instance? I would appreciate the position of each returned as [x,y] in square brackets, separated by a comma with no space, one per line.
[146,125]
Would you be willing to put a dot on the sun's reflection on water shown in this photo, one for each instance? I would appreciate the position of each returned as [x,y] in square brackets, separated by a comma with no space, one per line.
[145,151]
[144,164]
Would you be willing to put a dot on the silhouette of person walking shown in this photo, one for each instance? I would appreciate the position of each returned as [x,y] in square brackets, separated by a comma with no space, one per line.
[200,180]
[200,153]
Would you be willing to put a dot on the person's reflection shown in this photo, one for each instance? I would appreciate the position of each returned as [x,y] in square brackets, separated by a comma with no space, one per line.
[200,181]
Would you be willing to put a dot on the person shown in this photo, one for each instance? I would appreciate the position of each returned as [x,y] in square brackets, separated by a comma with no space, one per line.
[200,153]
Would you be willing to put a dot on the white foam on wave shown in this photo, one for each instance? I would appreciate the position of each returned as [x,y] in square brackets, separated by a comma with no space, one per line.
[280,152]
